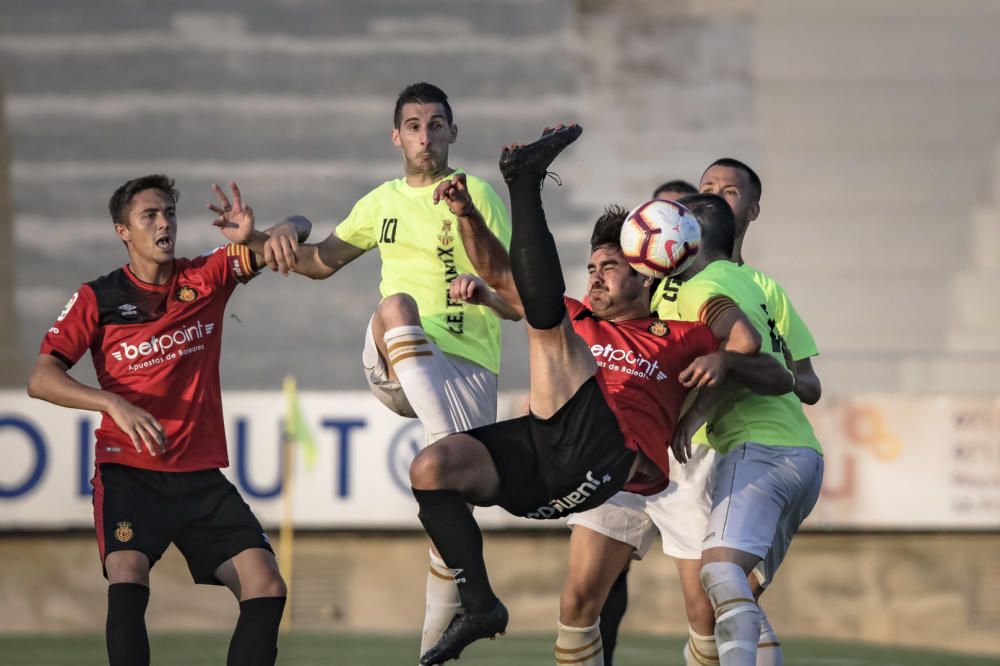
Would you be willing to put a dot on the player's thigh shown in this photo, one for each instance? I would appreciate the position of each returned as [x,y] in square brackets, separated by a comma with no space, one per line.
[622,518]
[560,362]
[131,517]
[748,498]
[252,573]
[219,525]
[460,462]
[805,474]
[595,561]
[681,511]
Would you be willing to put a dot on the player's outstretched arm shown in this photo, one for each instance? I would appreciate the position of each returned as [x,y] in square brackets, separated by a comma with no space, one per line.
[473,289]
[50,381]
[761,373]
[488,255]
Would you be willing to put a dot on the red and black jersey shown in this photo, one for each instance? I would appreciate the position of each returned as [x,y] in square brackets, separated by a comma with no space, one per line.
[638,363]
[158,346]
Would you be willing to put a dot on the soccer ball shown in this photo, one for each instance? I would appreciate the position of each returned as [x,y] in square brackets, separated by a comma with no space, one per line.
[660,238]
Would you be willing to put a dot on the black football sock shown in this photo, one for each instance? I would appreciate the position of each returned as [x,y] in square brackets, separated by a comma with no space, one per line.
[612,614]
[534,260]
[255,640]
[450,525]
[127,640]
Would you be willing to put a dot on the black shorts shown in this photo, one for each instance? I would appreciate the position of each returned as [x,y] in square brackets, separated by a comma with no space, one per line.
[571,462]
[201,512]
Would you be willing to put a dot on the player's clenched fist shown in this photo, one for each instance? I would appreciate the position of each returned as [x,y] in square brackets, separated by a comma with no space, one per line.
[455,193]
[708,370]
[470,289]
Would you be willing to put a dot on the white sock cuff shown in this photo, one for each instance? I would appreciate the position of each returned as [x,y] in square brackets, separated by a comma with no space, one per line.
[698,637]
[435,560]
[581,630]
[404,331]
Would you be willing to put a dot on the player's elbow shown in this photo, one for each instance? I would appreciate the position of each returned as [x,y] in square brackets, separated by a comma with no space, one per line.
[36,383]
[808,392]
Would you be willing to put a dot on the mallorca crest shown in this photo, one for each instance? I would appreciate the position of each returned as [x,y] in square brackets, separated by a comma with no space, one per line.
[659,328]
[186,294]
[124,532]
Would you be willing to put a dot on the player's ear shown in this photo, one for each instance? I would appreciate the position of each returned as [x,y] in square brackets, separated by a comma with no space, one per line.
[394,135]
[754,211]
[123,232]
[647,282]
[454,133]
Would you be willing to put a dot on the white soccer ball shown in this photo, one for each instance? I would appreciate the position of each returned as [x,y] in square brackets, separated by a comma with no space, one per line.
[660,238]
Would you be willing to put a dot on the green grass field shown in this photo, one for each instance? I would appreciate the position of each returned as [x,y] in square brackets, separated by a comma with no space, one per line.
[371,650]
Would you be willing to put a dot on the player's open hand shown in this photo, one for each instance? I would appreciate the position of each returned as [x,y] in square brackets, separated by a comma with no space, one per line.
[455,194]
[471,289]
[140,426]
[281,250]
[235,219]
[708,370]
[680,440]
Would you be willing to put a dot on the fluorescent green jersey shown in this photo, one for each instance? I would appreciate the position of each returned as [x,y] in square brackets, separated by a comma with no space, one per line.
[747,416]
[422,252]
[788,322]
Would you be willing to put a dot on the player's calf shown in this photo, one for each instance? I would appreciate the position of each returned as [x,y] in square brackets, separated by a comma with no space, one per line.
[737,623]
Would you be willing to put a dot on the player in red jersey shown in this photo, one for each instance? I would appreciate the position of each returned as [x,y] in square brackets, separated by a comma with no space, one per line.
[154,331]
[605,390]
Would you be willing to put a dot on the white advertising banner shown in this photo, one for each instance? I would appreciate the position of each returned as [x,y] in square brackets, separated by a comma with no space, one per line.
[892,462]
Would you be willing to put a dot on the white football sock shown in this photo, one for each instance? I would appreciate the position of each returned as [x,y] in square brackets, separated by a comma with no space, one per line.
[769,652]
[442,603]
[579,646]
[412,359]
[737,624]
[700,650]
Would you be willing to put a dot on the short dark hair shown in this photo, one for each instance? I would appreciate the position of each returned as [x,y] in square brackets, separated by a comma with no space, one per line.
[608,228]
[717,221]
[120,200]
[742,166]
[421,93]
[681,186]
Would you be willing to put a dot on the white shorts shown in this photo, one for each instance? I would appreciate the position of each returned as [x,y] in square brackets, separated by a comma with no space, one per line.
[679,513]
[469,389]
[760,496]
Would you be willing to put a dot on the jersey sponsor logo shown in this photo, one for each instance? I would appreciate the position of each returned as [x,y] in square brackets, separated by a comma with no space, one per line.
[187,294]
[69,306]
[124,532]
[659,328]
[128,310]
[161,344]
[388,234]
[627,361]
[568,503]
[455,312]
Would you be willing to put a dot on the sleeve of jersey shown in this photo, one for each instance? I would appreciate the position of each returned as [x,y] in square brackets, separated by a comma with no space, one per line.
[241,263]
[74,329]
[693,296]
[493,210]
[357,229]
[797,335]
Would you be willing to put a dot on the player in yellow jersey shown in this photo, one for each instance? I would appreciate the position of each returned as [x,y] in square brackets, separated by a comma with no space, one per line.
[770,469]
[426,354]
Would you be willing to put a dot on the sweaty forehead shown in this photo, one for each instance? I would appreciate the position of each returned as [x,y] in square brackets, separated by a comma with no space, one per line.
[421,111]
[151,198]
[725,175]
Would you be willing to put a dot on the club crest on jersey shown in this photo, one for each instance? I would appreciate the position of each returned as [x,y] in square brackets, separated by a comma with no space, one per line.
[186,294]
[124,532]
[445,236]
[659,328]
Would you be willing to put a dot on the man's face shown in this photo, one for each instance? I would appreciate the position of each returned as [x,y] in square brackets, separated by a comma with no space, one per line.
[424,136]
[734,186]
[151,231]
[614,288]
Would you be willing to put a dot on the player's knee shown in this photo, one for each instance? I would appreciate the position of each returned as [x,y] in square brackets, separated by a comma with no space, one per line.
[274,586]
[430,469]
[398,310]
[579,605]
[699,611]
[127,567]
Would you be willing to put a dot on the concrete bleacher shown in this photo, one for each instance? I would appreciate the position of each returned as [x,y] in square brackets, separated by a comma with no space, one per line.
[874,127]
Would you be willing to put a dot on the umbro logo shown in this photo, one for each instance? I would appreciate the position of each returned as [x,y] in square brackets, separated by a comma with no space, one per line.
[128,310]
[660,376]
